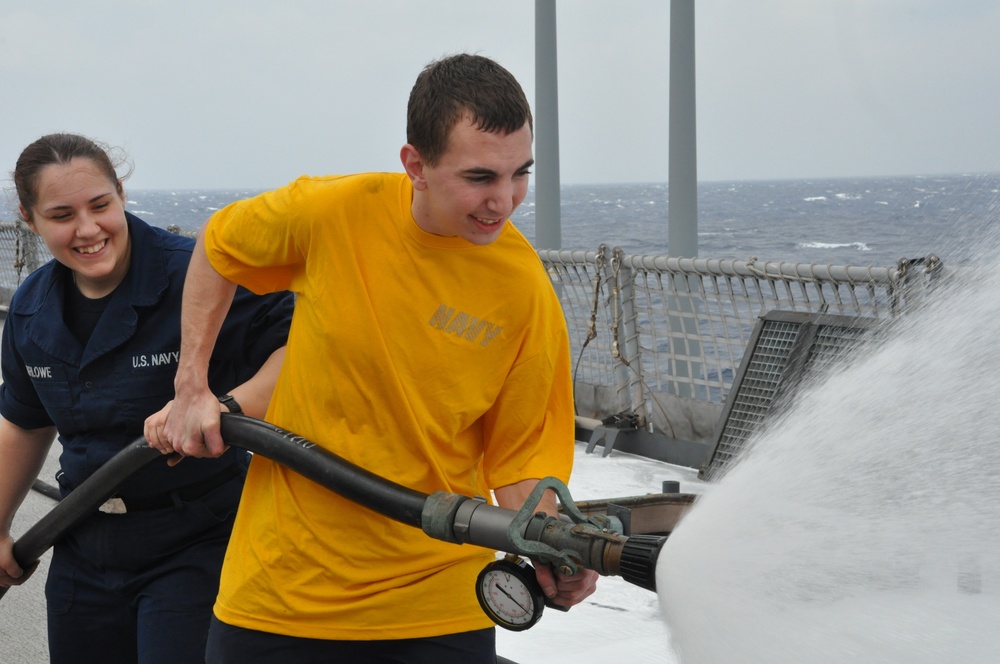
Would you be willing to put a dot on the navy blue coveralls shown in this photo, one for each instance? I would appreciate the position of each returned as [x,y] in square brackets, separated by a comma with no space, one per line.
[139,586]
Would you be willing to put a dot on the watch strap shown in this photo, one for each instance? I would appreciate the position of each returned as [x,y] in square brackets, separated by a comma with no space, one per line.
[229,402]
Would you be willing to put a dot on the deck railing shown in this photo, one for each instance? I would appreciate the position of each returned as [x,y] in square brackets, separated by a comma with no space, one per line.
[656,340]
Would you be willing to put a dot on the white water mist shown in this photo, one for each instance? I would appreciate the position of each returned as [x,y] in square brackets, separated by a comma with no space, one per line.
[865,525]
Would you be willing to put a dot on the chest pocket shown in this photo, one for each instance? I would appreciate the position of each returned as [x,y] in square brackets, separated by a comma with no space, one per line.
[143,385]
[52,385]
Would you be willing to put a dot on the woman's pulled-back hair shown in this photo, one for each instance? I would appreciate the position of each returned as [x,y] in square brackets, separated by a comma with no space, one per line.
[459,84]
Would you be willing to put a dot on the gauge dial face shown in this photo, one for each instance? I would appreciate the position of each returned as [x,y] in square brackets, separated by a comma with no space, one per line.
[510,595]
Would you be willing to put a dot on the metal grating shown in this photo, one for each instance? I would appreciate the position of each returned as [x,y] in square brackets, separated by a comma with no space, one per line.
[785,349]
[829,345]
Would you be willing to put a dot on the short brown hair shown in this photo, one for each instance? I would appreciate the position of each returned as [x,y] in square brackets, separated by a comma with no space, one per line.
[458,84]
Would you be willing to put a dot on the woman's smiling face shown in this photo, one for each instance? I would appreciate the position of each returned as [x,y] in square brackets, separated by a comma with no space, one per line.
[80,214]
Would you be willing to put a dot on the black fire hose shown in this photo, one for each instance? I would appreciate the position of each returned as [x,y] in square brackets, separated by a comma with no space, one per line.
[581,541]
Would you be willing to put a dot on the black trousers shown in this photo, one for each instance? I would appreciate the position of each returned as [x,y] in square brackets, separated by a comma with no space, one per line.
[139,587]
[235,645]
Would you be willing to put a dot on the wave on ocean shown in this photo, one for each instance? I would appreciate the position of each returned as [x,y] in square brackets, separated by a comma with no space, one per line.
[857,246]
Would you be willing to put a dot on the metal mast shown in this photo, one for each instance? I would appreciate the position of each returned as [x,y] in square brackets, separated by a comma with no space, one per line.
[682,230]
[548,221]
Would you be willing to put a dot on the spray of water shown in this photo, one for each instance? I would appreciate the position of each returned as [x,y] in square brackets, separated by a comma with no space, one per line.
[865,525]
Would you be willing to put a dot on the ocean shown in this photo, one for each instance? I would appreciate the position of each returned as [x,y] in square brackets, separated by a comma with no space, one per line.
[844,221]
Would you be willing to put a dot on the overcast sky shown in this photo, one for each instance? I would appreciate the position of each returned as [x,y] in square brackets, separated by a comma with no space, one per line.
[250,94]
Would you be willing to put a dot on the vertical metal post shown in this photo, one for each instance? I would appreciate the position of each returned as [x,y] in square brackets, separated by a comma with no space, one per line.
[631,369]
[548,221]
[682,231]
[682,237]
[31,250]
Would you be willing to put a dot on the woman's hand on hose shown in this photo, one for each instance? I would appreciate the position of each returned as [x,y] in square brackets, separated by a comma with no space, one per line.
[11,573]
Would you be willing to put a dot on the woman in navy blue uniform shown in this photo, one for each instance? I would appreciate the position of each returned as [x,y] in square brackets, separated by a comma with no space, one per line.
[89,351]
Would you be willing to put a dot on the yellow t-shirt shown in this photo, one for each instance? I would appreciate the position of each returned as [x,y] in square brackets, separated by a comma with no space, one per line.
[433,362]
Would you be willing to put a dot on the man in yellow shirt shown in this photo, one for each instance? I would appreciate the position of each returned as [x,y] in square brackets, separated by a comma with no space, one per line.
[427,346]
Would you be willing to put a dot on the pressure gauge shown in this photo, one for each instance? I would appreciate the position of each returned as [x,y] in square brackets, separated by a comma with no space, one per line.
[509,593]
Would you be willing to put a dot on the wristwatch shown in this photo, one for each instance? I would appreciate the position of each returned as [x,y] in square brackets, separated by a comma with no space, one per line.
[229,402]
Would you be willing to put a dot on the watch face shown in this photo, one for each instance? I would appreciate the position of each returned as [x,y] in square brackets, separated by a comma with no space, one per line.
[506,596]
